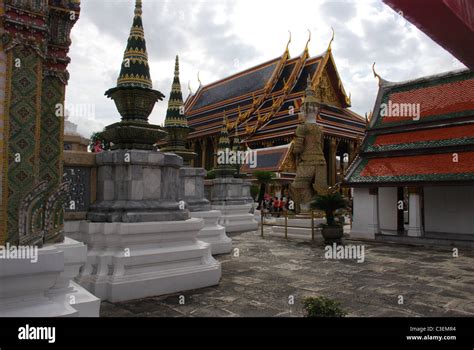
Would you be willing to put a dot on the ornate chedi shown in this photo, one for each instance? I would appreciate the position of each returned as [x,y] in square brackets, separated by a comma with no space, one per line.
[142,241]
[135,196]
[134,96]
[33,56]
[311,176]
[228,194]
[176,124]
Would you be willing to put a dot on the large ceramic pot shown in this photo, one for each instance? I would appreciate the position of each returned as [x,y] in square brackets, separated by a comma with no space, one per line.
[332,234]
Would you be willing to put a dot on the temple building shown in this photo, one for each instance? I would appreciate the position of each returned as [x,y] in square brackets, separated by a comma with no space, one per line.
[262,105]
[414,177]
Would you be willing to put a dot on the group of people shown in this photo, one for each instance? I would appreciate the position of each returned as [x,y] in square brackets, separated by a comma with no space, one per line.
[276,205]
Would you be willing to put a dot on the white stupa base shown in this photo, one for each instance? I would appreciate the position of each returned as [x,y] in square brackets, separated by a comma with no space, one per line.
[212,232]
[136,260]
[25,286]
[237,218]
[65,290]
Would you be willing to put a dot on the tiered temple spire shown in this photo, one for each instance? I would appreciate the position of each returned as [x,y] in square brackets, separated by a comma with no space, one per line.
[176,124]
[224,142]
[133,95]
[223,168]
[175,113]
[135,69]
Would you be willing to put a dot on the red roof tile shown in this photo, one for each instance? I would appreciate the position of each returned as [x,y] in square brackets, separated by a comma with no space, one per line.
[420,165]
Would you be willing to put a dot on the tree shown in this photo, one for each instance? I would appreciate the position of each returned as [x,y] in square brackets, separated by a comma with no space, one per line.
[98,136]
[264,178]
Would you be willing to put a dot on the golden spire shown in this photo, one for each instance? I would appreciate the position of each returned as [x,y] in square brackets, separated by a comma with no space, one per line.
[138,8]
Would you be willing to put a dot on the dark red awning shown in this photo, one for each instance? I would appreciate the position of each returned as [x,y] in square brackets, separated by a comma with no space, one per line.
[448,22]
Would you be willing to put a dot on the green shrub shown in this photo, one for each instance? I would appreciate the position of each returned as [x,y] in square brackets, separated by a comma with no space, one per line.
[329,204]
[211,174]
[322,307]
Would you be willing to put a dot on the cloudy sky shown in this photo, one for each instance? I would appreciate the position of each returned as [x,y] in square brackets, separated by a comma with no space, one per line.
[222,37]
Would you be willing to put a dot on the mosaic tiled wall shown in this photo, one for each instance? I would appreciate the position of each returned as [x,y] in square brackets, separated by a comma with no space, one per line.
[3,68]
[51,149]
[33,75]
[23,131]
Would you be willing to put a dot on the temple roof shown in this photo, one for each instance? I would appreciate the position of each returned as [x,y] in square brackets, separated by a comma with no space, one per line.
[263,102]
[277,159]
[433,145]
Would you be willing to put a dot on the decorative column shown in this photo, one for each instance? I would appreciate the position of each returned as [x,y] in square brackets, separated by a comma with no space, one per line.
[332,161]
[415,226]
[351,151]
[203,153]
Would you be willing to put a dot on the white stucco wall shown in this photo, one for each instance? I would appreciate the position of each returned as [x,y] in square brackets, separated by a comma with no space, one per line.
[449,209]
[388,208]
[365,218]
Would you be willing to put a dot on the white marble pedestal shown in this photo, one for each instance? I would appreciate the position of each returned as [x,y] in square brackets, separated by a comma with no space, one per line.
[236,217]
[136,260]
[65,289]
[212,232]
[44,288]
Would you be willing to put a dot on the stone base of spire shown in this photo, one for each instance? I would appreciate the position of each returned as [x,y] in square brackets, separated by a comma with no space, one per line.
[136,260]
[231,196]
[213,233]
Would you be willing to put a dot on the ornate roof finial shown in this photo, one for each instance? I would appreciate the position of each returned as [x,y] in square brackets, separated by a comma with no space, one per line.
[175,113]
[288,44]
[138,8]
[376,75]
[199,80]
[189,87]
[332,39]
[307,43]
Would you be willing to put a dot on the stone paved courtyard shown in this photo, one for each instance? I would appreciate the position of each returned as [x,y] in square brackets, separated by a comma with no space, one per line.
[269,273]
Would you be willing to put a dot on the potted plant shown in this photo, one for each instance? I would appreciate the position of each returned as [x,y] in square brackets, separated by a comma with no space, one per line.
[332,231]
[322,307]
